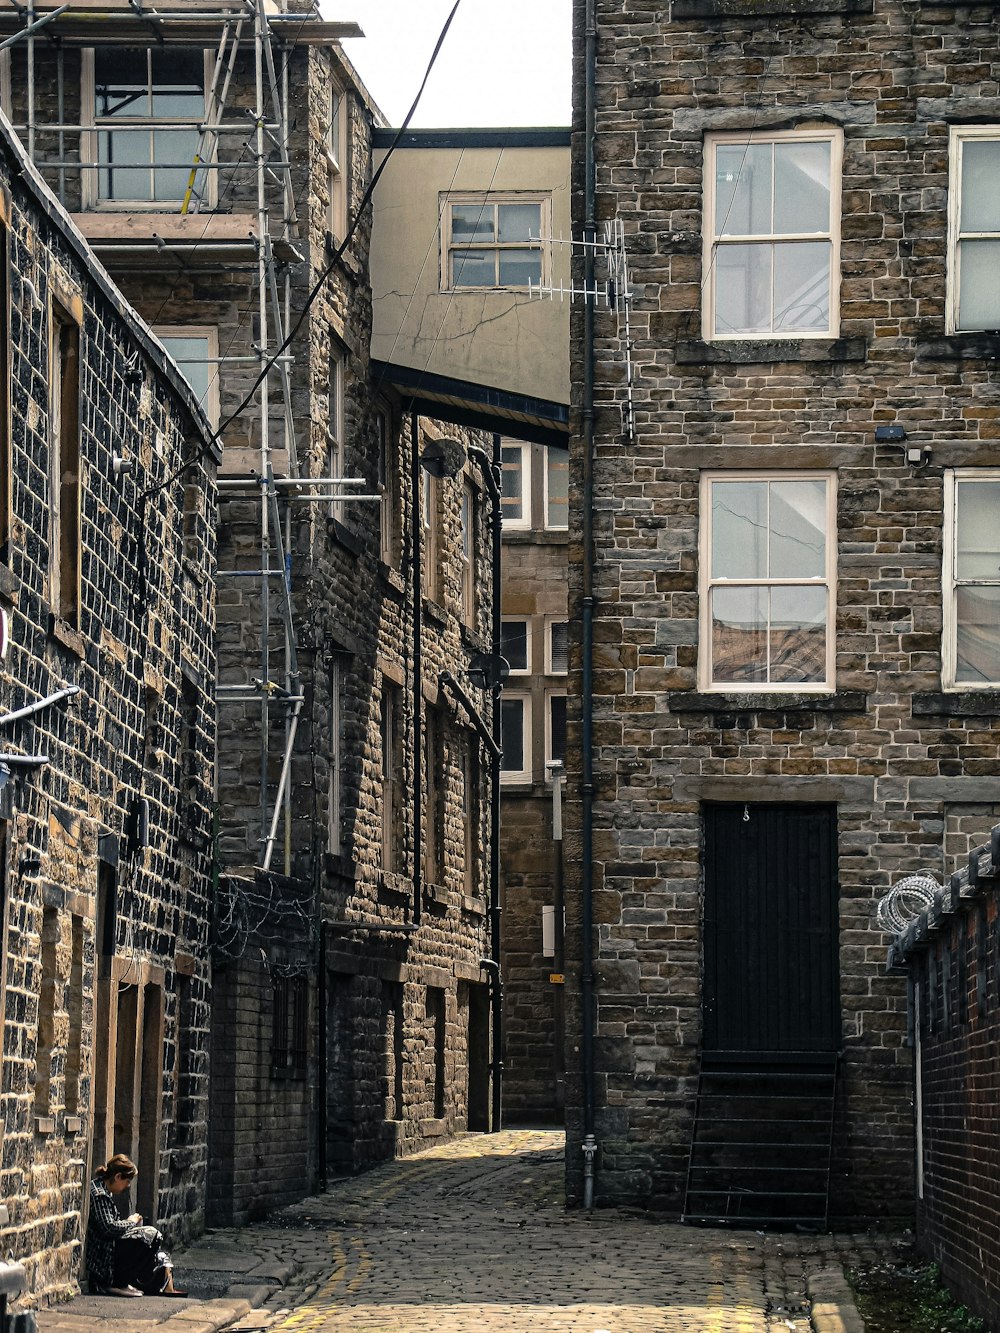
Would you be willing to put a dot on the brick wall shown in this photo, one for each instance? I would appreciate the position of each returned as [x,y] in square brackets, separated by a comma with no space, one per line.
[105,844]
[896,755]
[952,955]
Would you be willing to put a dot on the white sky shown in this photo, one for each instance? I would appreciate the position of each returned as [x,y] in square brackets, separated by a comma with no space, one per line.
[504,62]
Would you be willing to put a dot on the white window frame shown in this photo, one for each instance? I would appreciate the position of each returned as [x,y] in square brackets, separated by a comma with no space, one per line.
[959,136]
[490,199]
[549,756]
[467,551]
[430,503]
[523,523]
[551,621]
[90,190]
[949,583]
[706,583]
[526,622]
[550,454]
[210,403]
[525,773]
[336,153]
[387,474]
[827,134]
[335,450]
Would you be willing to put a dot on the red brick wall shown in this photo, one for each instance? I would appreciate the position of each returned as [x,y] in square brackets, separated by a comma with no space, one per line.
[955,982]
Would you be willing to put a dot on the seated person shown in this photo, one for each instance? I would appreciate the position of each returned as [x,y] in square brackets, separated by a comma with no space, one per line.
[124,1258]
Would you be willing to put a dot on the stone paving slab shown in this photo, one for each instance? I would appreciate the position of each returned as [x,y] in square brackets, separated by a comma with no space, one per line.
[472,1236]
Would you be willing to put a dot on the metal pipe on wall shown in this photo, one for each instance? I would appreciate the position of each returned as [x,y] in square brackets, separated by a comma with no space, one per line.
[415,576]
[587,989]
[496,1117]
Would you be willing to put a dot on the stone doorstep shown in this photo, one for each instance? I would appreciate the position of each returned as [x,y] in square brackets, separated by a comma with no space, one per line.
[833,1308]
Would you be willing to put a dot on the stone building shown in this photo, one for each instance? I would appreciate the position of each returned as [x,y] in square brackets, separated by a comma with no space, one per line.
[534,644]
[499,360]
[107,506]
[227,174]
[784,574]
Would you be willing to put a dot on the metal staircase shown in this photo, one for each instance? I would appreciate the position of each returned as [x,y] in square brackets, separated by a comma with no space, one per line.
[762,1140]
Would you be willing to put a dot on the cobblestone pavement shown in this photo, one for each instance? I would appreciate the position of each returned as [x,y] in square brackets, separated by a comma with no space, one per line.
[473,1237]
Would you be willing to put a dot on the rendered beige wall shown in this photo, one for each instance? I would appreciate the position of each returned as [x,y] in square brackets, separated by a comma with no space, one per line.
[505,339]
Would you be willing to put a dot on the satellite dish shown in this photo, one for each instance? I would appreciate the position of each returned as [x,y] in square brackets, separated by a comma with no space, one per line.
[443,458]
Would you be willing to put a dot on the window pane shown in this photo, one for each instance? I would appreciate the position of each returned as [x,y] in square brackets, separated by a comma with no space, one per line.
[798,530]
[178,79]
[977,654]
[981,185]
[557,727]
[520,222]
[173,146]
[120,82]
[512,735]
[466,517]
[801,187]
[519,267]
[977,528]
[739,529]
[739,635]
[512,485]
[557,488]
[743,289]
[191,354]
[743,189]
[514,643]
[127,154]
[798,635]
[473,268]
[979,289]
[802,286]
[472,222]
[559,647]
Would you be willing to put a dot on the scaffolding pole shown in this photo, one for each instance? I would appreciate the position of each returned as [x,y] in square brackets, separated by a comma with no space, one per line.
[243,27]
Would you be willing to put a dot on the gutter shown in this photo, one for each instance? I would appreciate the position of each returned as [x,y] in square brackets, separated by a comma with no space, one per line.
[587,987]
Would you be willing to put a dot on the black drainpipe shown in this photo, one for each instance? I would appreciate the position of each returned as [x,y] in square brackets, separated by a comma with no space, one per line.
[587,995]
[497,689]
[321,1116]
[415,521]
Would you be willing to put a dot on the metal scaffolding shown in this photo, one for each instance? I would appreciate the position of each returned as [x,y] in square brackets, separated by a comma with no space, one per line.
[229,28]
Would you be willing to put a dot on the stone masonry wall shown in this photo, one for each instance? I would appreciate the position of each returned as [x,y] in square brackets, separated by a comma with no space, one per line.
[122,795]
[896,755]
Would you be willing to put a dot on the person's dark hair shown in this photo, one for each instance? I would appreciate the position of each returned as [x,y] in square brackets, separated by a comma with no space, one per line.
[119,1165]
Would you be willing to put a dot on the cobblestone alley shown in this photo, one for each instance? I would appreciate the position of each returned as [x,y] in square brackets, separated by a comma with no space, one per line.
[472,1237]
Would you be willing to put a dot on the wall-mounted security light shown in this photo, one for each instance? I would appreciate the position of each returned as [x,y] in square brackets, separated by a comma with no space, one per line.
[443,458]
[889,434]
[121,467]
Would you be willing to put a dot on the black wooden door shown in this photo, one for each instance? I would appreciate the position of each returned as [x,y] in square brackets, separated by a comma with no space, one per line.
[771,977]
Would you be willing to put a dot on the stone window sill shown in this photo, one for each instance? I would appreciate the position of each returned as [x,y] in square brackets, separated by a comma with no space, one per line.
[67,637]
[435,895]
[435,612]
[343,536]
[536,537]
[752,351]
[750,9]
[845,701]
[960,703]
[473,906]
[392,578]
[395,885]
[961,347]
[474,641]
